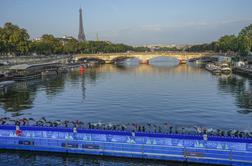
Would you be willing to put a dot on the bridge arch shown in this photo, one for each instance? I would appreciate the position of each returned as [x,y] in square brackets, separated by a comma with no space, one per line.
[91,59]
[143,57]
[148,59]
[121,58]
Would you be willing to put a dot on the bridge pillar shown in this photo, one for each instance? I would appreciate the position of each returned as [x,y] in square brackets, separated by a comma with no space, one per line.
[182,61]
[108,61]
[145,62]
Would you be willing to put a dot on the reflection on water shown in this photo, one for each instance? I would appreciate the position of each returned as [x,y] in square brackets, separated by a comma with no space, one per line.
[241,89]
[136,93]
[52,159]
[156,93]
[144,90]
[21,97]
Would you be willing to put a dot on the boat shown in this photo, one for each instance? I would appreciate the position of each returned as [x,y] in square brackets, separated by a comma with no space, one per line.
[213,68]
[2,77]
[202,148]
[120,63]
[225,69]
[4,63]
[193,59]
[49,72]
[32,71]
[73,65]
[182,61]
[4,84]
[5,77]
[245,70]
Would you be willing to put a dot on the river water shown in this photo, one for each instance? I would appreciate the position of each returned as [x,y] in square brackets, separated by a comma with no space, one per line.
[162,92]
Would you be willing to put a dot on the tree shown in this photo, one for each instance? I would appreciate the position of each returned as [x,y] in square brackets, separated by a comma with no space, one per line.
[247,31]
[71,46]
[21,40]
[83,47]
[15,40]
[47,45]
[244,45]
[40,48]
[214,46]
[228,43]
[53,44]
[2,42]
[141,49]
[94,47]
[241,43]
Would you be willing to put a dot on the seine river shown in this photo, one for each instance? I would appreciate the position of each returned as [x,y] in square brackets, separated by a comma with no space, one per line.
[162,92]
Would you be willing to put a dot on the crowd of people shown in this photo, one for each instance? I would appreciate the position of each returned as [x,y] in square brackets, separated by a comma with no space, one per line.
[164,128]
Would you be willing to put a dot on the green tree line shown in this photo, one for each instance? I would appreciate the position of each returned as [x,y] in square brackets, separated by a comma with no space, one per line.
[16,41]
[168,49]
[241,43]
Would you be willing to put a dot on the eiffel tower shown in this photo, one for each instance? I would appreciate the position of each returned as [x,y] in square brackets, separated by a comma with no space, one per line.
[81,36]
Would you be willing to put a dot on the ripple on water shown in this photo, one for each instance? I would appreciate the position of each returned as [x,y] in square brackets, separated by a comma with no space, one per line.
[178,94]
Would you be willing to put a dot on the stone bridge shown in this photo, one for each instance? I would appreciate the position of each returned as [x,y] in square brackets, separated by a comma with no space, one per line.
[143,57]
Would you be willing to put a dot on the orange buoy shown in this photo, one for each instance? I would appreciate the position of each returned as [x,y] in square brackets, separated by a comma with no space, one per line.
[82,68]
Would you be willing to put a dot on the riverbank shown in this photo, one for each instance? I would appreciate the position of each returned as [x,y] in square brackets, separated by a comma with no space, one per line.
[7,61]
[30,67]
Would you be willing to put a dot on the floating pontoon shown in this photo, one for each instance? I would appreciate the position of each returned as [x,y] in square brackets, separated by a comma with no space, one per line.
[174,147]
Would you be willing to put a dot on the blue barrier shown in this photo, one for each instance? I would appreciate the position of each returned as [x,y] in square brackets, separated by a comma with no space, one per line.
[177,147]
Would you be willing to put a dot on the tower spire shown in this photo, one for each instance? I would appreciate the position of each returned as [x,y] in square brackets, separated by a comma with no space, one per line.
[81,36]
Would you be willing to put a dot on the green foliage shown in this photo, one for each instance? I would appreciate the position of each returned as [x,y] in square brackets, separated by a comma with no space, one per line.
[247,31]
[51,44]
[245,40]
[47,45]
[2,42]
[245,44]
[168,49]
[214,46]
[40,48]
[93,47]
[228,43]
[14,39]
[71,46]
[241,44]
[141,49]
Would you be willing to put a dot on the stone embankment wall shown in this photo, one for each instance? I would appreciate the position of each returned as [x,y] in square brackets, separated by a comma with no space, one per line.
[34,59]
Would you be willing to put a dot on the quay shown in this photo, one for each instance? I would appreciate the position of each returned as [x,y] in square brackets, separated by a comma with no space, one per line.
[30,71]
[23,72]
[171,147]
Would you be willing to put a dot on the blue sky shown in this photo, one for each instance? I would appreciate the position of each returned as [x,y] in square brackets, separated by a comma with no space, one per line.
[134,22]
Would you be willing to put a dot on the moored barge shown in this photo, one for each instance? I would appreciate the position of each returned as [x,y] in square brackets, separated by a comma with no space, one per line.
[30,71]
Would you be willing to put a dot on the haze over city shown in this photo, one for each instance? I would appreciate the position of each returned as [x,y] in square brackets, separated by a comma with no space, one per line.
[131,22]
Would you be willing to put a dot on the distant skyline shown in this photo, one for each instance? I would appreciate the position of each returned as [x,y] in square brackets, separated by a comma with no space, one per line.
[135,22]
